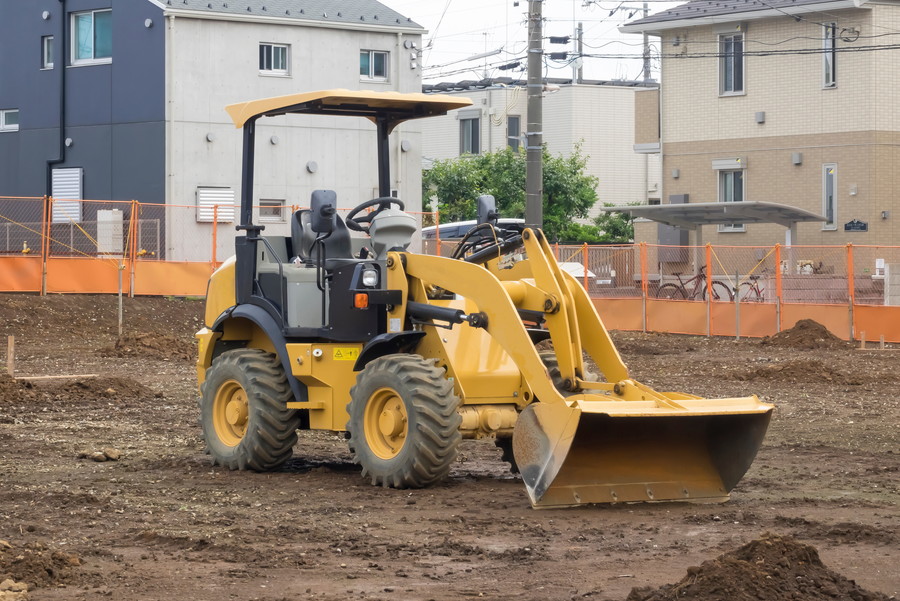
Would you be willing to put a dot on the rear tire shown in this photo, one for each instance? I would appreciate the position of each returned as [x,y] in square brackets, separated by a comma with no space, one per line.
[749,293]
[244,414]
[404,424]
[670,292]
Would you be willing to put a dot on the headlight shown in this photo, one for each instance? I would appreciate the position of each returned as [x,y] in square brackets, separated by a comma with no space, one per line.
[370,278]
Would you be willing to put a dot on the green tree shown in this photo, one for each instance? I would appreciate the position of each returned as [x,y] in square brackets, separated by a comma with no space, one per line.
[617,228]
[568,192]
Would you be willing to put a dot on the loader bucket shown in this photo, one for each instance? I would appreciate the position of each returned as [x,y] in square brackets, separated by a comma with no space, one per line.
[610,452]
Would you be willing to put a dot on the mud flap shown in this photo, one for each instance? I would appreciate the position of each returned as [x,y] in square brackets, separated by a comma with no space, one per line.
[586,453]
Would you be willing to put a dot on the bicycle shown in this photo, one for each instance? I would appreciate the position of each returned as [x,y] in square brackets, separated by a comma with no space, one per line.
[749,291]
[679,291]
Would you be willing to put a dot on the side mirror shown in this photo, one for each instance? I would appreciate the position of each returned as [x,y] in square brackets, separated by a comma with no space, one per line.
[487,209]
[323,211]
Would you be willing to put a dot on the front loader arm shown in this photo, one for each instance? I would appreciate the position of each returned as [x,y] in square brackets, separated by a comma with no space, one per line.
[536,284]
[488,293]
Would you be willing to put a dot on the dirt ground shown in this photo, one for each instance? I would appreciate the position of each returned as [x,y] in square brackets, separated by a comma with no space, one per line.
[105,490]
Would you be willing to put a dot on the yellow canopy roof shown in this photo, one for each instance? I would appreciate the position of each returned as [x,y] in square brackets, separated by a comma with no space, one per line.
[365,103]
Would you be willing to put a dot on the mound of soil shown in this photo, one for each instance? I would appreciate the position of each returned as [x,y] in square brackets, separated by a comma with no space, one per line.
[807,334]
[76,390]
[802,370]
[155,346]
[37,565]
[11,390]
[773,568]
[105,387]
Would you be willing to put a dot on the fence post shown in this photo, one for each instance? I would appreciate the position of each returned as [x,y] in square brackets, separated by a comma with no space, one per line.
[215,234]
[737,305]
[133,233]
[778,289]
[851,287]
[644,285]
[46,212]
[708,289]
[556,250]
[584,262]
[437,233]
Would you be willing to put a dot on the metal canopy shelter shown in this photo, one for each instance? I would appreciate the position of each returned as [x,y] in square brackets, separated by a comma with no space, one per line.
[692,216]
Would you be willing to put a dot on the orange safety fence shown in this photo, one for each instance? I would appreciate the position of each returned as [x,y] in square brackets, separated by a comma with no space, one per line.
[71,246]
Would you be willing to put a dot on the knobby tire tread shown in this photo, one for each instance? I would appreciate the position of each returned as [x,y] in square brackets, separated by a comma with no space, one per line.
[272,427]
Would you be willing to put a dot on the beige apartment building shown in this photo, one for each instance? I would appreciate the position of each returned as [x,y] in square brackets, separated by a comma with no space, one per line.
[792,102]
[597,115]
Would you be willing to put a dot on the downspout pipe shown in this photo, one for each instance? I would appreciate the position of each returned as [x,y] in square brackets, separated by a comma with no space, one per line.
[63,47]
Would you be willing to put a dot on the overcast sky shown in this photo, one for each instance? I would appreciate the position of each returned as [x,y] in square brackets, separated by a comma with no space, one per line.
[459,29]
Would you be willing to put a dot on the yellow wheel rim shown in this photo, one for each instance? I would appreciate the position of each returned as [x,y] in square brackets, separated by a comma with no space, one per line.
[386,423]
[230,413]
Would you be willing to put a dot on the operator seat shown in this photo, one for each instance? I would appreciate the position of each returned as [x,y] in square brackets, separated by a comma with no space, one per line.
[303,238]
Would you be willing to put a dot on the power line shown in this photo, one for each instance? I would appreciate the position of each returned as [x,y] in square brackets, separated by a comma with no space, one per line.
[761,53]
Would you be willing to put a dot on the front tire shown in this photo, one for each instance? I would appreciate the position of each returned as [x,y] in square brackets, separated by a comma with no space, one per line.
[244,414]
[404,424]
[720,292]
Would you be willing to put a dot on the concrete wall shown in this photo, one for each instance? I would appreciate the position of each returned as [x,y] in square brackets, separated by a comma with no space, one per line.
[215,63]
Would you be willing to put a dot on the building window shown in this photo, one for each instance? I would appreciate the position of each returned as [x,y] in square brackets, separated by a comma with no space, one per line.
[829,56]
[731,189]
[9,120]
[469,139]
[829,196]
[731,64]
[92,37]
[513,131]
[47,52]
[273,59]
[373,65]
[271,211]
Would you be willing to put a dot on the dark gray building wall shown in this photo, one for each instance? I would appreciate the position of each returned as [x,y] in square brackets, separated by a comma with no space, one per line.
[114,113]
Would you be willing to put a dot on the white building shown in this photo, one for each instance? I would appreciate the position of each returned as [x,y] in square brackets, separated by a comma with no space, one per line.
[597,115]
[221,56]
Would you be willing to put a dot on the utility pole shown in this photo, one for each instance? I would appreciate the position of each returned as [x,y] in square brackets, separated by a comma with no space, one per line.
[646,46]
[580,74]
[534,169]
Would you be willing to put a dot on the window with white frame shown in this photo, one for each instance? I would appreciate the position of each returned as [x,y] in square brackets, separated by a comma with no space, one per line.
[829,55]
[373,64]
[469,136]
[731,189]
[274,59]
[731,64]
[9,120]
[47,52]
[92,37]
[271,210]
[829,195]
[513,131]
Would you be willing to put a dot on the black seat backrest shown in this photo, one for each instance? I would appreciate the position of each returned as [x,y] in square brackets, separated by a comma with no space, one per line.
[303,238]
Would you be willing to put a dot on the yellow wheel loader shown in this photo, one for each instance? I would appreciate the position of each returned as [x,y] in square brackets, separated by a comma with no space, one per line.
[408,354]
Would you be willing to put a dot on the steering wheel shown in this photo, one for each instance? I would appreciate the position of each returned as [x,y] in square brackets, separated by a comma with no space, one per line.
[384,202]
